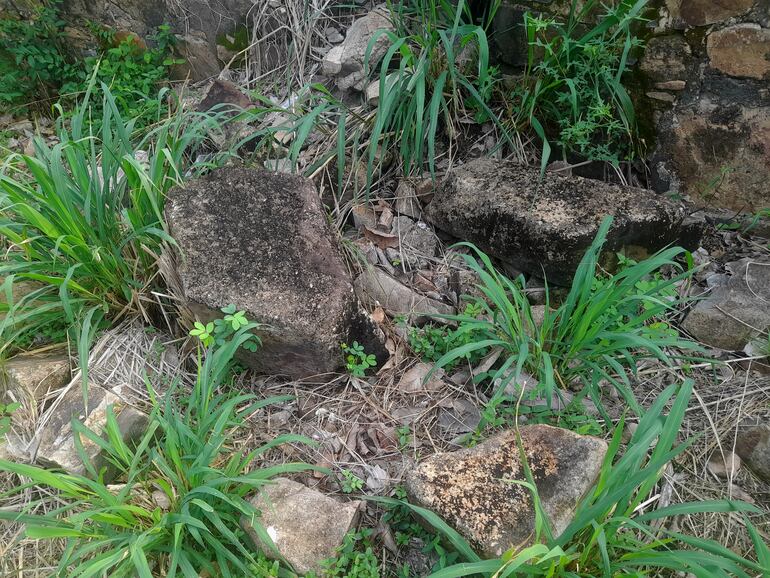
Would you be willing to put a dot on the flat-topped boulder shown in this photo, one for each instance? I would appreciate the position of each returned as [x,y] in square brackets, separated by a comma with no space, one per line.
[261,241]
[544,226]
[473,489]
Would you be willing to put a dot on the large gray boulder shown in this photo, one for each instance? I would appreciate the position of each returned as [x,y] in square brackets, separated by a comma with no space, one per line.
[736,311]
[472,489]
[260,240]
[545,226]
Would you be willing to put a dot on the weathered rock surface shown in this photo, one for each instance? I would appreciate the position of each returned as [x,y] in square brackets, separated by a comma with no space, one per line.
[470,490]
[753,447]
[260,240]
[347,60]
[31,377]
[56,441]
[375,287]
[717,153]
[742,50]
[222,93]
[666,58]
[418,242]
[545,226]
[305,525]
[702,12]
[734,312]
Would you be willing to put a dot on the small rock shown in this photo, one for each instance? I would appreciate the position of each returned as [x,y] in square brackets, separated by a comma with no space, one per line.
[279,165]
[661,96]
[735,312]
[376,287]
[671,85]
[346,61]
[724,464]
[305,525]
[406,200]
[753,447]
[200,61]
[471,489]
[332,61]
[56,441]
[222,93]
[373,93]
[703,12]
[666,58]
[31,377]
[333,35]
[418,243]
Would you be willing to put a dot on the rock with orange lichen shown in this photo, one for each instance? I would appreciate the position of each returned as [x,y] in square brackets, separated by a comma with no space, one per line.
[473,489]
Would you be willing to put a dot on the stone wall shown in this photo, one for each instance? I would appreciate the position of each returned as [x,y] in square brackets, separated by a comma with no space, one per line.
[706,71]
[702,89]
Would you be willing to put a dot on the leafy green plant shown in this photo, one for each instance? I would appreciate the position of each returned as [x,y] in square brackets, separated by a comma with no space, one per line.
[84,218]
[6,413]
[185,457]
[432,342]
[355,558]
[436,67]
[34,60]
[351,482]
[132,71]
[357,361]
[220,330]
[612,534]
[572,85]
[598,333]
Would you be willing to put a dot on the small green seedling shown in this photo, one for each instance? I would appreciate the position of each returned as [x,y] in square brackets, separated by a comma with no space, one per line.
[351,482]
[357,361]
[6,410]
[221,330]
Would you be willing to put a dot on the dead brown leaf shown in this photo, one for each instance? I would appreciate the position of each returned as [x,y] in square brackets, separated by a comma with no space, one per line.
[382,240]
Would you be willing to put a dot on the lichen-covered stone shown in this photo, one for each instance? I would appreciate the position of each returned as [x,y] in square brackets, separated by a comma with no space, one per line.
[545,226]
[260,240]
[742,50]
[305,525]
[472,489]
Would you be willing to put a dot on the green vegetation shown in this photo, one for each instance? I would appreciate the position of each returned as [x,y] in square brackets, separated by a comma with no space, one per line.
[573,86]
[599,333]
[6,413]
[37,66]
[184,454]
[351,482]
[355,558]
[357,361]
[85,218]
[442,69]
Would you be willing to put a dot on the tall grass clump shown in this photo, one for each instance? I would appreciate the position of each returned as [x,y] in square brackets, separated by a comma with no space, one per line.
[572,91]
[186,457]
[614,532]
[603,328]
[83,219]
[435,72]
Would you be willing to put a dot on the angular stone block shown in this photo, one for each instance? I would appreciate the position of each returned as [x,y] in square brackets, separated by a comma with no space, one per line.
[471,489]
[261,241]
